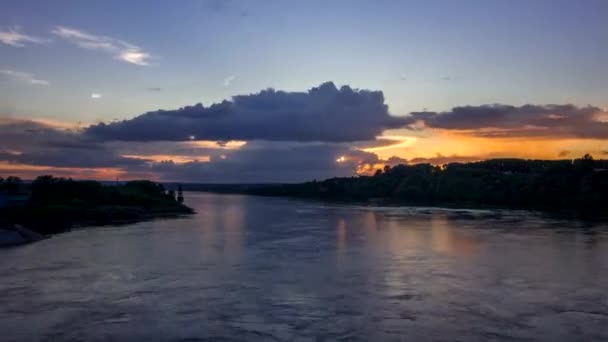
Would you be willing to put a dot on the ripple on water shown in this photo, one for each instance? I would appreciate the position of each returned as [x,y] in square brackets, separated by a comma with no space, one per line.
[271,269]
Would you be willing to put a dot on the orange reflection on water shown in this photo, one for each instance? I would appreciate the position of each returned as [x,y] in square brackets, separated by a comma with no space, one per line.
[341,235]
[233,219]
[222,224]
[446,239]
[371,223]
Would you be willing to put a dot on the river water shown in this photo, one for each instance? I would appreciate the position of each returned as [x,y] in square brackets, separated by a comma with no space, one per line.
[251,268]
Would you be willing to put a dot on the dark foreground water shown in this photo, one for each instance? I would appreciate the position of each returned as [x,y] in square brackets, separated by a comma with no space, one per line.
[250,268]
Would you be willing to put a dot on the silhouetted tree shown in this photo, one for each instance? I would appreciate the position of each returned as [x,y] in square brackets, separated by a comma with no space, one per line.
[12,185]
[180,195]
[55,204]
[558,185]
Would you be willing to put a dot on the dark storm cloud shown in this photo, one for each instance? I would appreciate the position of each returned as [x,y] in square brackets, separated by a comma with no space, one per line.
[66,158]
[324,113]
[500,121]
[161,147]
[34,143]
[39,144]
[269,164]
[21,133]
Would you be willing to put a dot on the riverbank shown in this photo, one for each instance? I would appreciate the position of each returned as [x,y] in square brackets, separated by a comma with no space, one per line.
[17,235]
[56,219]
[56,205]
[571,188]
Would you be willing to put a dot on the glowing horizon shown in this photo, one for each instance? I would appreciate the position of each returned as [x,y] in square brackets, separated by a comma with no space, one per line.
[250,98]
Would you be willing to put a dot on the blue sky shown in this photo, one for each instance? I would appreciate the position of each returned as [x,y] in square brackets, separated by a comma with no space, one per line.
[421,54]
[89,62]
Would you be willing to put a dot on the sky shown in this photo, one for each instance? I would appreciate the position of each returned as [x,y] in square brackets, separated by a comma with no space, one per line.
[283,91]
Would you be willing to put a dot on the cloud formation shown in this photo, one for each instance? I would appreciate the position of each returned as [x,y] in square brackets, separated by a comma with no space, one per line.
[279,136]
[77,158]
[270,164]
[120,49]
[24,77]
[35,143]
[14,37]
[324,113]
[503,121]
[228,80]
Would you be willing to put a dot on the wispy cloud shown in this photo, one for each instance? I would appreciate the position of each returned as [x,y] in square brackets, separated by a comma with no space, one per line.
[134,56]
[24,77]
[120,49]
[451,78]
[228,80]
[96,96]
[14,37]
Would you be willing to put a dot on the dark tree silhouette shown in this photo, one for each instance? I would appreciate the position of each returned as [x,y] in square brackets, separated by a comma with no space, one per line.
[56,204]
[180,194]
[12,185]
[578,186]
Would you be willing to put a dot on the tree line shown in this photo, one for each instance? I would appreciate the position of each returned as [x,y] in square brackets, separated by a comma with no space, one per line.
[56,204]
[575,186]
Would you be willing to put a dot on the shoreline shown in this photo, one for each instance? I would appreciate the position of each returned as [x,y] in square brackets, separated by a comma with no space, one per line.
[388,202]
[120,222]
[14,235]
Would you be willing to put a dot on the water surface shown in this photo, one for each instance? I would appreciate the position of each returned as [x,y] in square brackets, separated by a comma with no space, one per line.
[253,268]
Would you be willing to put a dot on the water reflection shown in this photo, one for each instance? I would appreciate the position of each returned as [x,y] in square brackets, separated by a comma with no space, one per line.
[446,239]
[222,225]
[249,268]
[341,235]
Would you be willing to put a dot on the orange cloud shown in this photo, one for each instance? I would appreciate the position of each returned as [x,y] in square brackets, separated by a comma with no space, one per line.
[177,159]
[25,171]
[230,145]
[51,123]
[459,143]
[396,142]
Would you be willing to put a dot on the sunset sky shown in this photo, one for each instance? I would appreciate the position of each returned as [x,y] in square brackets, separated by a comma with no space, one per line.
[283,91]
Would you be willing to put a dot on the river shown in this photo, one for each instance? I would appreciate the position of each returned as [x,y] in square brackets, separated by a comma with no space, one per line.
[252,268]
